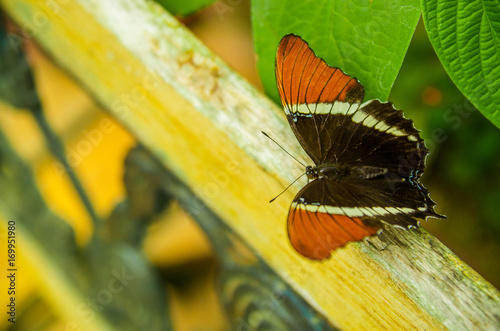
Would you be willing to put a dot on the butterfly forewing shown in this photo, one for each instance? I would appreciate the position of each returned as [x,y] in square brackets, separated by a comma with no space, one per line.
[323,107]
[307,87]
[378,135]
[379,150]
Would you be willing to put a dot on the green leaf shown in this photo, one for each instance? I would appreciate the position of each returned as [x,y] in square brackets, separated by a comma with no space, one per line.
[466,37]
[184,8]
[366,39]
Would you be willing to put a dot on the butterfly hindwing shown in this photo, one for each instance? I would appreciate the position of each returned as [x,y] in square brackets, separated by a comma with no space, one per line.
[327,214]
[315,230]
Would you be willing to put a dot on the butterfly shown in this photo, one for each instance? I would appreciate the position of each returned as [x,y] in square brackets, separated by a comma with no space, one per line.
[368,157]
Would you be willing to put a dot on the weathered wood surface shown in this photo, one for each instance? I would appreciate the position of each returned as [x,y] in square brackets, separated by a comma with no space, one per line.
[203,122]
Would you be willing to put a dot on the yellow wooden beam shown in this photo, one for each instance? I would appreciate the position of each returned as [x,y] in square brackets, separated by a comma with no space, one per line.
[203,121]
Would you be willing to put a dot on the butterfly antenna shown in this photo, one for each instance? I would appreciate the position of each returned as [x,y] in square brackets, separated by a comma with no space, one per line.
[265,134]
[287,188]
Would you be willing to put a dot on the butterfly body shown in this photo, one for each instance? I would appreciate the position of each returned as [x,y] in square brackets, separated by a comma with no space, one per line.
[368,158]
[340,172]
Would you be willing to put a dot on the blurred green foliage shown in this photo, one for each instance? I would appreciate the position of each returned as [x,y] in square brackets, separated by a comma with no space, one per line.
[465,146]
[17,86]
[466,35]
[367,40]
[185,7]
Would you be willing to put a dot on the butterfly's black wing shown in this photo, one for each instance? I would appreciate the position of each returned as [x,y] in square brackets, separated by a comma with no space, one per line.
[317,225]
[324,108]
[311,92]
[327,214]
